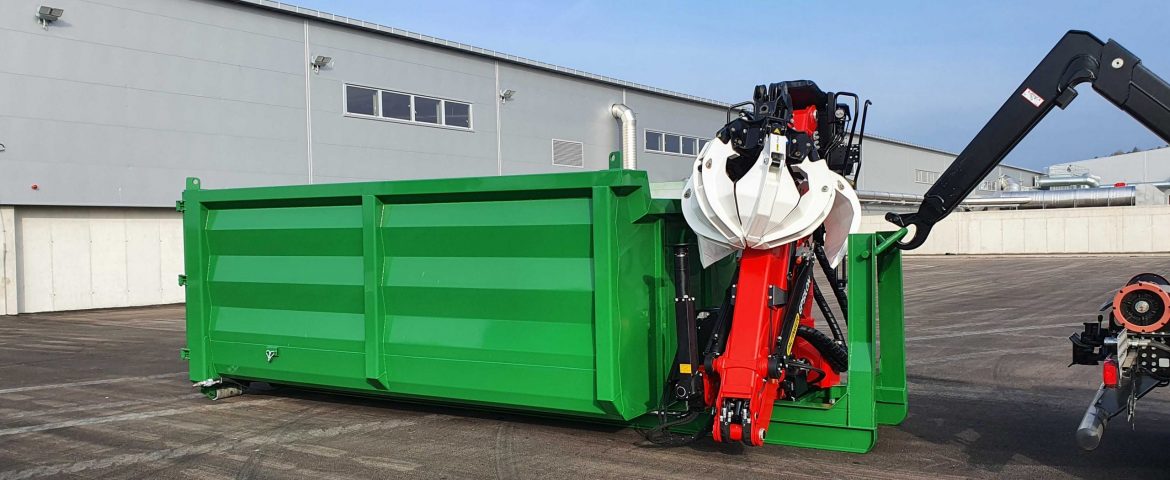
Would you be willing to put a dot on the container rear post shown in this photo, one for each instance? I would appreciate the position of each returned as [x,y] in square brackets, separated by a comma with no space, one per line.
[891,379]
[195,264]
[373,253]
[605,293]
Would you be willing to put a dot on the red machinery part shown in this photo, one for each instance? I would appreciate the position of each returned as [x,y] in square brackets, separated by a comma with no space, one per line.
[743,368]
[1126,314]
[1110,373]
[742,372]
[805,119]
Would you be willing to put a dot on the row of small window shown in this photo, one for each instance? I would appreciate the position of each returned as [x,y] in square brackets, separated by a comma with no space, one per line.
[925,176]
[406,107]
[929,177]
[671,143]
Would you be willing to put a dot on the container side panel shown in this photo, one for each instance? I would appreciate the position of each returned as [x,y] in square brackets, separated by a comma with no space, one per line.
[287,280]
[491,301]
[478,291]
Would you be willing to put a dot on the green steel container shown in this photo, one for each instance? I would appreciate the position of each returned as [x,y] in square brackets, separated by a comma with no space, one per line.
[546,293]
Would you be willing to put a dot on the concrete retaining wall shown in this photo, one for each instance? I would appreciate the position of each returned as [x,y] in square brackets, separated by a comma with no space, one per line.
[1138,229]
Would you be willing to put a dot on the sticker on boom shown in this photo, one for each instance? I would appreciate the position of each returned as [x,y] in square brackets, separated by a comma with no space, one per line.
[1031,96]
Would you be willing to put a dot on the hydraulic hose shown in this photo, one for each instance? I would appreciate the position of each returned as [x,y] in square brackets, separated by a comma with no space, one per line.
[834,353]
[827,312]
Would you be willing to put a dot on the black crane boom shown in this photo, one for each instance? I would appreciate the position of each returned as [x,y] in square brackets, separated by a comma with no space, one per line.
[1079,57]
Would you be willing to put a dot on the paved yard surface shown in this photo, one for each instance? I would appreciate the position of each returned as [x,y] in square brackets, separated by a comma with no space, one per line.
[102,394]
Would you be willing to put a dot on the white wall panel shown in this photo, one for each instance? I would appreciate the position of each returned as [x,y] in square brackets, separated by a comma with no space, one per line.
[170,249]
[108,264]
[34,267]
[79,257]
[8,284]
[70,252]
[144,282]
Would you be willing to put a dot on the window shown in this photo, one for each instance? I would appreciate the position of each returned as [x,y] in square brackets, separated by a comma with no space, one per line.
[396,105]
[925,176]
[362,101]
[404,107]
[456,114]
[426,110]
[653,141]
[673,143]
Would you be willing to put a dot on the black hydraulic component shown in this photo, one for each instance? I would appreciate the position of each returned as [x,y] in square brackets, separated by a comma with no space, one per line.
[683,383]
[834,352]
[1079,57]
[860,139]
[800,282]
[1089,345]
[835,284]
[720,326]
[686,363]
[830,318]
[772,111]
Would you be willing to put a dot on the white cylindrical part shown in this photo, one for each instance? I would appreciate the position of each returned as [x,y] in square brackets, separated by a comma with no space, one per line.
[629,135]
[1092,426]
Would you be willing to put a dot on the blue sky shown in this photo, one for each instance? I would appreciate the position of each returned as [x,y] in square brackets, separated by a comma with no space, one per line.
[936,70]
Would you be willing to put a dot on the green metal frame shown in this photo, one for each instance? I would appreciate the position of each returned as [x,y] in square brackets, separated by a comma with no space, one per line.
[846,418]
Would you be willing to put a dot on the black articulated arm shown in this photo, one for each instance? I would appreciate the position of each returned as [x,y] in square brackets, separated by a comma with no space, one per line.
[1079,57]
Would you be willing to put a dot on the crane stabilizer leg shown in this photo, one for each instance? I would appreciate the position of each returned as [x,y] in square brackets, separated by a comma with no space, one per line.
[1079,57]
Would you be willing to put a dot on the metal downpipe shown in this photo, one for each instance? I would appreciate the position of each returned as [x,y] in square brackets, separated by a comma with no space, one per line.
[629,135]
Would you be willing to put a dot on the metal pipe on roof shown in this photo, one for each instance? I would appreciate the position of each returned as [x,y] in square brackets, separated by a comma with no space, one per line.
[1080,197]
[1086,180]
[629,135]
[1071,198]
[1012,200]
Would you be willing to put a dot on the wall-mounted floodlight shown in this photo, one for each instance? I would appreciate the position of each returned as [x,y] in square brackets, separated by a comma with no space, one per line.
[49,15]
[320,61]
[506,95]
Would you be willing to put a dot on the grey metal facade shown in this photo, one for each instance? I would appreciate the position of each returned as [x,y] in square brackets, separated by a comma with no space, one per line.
[1149,166]
[117,102]
[893,166]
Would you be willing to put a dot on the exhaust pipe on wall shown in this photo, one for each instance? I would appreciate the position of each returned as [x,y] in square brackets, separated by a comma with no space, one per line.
[629,135]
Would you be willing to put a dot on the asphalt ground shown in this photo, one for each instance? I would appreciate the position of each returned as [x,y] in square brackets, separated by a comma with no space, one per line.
[102,394]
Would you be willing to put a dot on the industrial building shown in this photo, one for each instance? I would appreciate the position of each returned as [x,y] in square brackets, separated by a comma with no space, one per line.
[108,106]
[1147,166]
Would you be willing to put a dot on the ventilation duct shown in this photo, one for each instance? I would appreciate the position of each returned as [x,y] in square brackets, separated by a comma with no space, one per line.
[629,135]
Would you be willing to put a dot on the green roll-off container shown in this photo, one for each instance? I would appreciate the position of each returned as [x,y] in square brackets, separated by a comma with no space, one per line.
[544,293]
